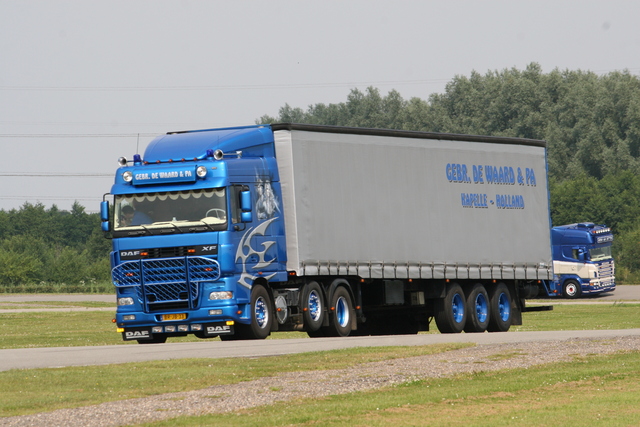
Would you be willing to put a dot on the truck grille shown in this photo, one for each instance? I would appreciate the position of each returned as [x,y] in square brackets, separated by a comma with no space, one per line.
[606,269]
[167,283]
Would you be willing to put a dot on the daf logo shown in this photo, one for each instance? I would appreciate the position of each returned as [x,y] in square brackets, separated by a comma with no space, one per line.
[129,253]
[209,248]
[136,334]
[218,329]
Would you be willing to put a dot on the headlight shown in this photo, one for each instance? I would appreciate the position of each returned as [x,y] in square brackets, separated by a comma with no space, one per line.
[125,301]
[201,171]
[221,295]
[127,176]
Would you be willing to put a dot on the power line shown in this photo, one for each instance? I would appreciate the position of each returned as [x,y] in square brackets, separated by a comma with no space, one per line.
[222,87]
[247,86]
[76,135]
[49,198]
[56,174]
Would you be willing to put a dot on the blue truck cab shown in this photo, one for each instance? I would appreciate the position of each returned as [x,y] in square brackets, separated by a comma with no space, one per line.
[582,260]
[180,223]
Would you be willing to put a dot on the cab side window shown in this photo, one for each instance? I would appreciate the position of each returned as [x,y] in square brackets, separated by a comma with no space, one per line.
[236,210]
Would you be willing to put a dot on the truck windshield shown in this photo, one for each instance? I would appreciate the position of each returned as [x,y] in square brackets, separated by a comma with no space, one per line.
[180,211]
[599,254]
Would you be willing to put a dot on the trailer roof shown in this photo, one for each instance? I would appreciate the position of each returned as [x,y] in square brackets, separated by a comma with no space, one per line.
[408,134]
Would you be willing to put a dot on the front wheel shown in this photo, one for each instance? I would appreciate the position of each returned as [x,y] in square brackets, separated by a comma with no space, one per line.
[261,316]
[571,289]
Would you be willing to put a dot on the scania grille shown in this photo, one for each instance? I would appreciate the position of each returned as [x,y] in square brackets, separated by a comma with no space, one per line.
[167,283]
[606,269]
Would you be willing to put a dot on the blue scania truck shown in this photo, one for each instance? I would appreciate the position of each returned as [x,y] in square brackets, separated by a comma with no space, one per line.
[335,231]
[582,261]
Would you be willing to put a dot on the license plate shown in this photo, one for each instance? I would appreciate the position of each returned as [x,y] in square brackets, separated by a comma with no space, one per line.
[178,316]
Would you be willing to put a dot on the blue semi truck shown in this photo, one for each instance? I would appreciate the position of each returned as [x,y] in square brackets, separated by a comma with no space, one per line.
[335,231]
[582,261]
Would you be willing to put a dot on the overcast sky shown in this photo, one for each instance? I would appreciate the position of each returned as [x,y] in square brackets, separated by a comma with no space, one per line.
[85,82]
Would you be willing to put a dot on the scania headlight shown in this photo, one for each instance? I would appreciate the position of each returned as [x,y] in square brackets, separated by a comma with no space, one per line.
[217,295]
[125,301]
[127,176]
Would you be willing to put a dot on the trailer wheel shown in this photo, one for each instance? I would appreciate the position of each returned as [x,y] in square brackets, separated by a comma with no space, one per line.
[478,309]
[339,314]
[261,317]
[451,315]
[500,309]
[571,289]
[312,306]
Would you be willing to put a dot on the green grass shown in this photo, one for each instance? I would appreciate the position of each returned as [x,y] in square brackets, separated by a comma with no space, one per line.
[573,317]
[38,390]
[54,304]
[92,287]
[61,329]
[552,395]
[596,390]
[78,328]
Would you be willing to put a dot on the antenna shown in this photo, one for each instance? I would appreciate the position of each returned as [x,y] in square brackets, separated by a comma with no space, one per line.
[138,144]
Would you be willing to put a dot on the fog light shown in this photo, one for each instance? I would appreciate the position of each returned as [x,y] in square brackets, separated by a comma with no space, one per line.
[156,329]
[169,328]
[196,327]
[216,312]
[183,328]
[125,301]
[129,317]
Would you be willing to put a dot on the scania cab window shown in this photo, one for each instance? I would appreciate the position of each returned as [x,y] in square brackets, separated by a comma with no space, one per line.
[599,254]
[179,211]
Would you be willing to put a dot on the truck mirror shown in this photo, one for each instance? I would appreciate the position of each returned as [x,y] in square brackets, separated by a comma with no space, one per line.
[245,206]
[245,201]
[104,215]
[104,210]
[581,255]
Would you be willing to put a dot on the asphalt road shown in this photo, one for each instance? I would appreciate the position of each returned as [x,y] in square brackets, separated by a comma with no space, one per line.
[28,358]
[53,357]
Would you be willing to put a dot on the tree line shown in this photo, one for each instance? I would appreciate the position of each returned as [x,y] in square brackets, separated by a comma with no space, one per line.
[591,124]
[52,246]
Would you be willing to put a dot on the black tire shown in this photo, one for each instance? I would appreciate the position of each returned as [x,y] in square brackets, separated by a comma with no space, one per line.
[312,303]
[571,289]
[261,317]
[340,314]
[451,313]
[478,313]
[500,311]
